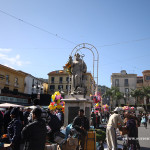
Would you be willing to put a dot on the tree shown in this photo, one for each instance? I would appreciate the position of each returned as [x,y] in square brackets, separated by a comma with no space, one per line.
[114,94]
[146,94]
[137,93]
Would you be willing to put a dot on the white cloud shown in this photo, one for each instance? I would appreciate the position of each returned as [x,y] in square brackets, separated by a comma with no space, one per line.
[5,50]
[16,60]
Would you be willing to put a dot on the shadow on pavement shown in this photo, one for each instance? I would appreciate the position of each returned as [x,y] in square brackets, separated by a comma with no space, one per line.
[145,148]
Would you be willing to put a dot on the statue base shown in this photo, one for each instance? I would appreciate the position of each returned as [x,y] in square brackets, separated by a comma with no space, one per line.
[72,105]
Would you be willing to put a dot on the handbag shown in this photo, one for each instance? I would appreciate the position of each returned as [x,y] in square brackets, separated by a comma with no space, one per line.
[143,120]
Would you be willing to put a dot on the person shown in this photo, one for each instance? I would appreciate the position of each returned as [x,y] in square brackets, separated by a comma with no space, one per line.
[81,124]
[60,116]
[21,115]
[26,114]
[112,125]
[97,120]
[14,129]
[149,118]
[93,117]
[7,119]
[132,123]
[54,124]
[107,116]
[34,134]
[36,104]
[1,123]
[144,120]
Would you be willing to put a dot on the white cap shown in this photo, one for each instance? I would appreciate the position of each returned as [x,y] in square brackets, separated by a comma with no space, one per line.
[117,109]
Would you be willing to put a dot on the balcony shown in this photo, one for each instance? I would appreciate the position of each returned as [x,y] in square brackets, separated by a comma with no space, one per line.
[126,84]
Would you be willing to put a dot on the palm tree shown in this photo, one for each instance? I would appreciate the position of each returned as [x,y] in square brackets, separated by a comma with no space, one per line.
[114,94]
[137,93]
[146,93]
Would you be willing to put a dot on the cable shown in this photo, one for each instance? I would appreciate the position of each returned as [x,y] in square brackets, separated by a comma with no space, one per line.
[125,42]
[56,35]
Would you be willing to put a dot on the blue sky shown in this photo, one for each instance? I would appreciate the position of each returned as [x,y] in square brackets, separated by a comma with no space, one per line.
[119,29]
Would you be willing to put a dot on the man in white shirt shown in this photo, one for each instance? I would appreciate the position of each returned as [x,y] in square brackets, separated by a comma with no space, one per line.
[112,125]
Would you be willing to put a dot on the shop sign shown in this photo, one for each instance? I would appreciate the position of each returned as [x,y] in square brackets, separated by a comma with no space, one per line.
[13,99]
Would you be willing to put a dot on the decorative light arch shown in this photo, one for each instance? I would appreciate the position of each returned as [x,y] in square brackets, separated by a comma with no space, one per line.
[90,48]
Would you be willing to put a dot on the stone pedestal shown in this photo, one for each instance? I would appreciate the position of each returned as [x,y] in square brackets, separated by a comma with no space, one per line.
[72,105]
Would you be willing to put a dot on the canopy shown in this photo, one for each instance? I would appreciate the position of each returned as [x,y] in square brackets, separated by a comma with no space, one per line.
[140,108]
[6,105]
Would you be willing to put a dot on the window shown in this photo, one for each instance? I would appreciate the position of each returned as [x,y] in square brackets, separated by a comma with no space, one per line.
[147,77]
[126,82]
[60,79]
[117,82]
[67,87]
[67,79]
[16,81]
[52,79]
[33,83]
[52,87]
[7,79]
[60,87]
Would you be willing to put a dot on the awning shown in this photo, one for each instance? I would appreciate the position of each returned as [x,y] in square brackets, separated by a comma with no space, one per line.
[7,105]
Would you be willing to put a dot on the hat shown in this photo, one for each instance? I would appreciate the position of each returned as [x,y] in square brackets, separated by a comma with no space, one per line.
[116,109]
[15,112]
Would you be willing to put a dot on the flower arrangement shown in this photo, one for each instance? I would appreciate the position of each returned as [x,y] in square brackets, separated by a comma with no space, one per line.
[68,65]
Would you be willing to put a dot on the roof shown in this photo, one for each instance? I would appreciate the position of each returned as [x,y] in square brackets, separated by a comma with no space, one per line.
[146,71]
[57,72]
[13,70]
[139,76]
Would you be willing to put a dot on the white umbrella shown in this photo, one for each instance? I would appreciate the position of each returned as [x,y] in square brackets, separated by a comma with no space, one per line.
[7,105]
[140,108]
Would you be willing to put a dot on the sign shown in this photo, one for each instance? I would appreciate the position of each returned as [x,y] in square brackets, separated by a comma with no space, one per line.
[13,99]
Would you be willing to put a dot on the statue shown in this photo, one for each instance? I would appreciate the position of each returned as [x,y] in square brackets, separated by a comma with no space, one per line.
[78,70]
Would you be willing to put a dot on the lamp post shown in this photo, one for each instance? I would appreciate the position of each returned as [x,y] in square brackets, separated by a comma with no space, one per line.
[125,98]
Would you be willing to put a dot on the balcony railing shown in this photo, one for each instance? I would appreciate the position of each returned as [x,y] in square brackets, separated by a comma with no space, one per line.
[126,84]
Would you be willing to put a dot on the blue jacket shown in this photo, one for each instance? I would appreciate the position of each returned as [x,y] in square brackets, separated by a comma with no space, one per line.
[14,131]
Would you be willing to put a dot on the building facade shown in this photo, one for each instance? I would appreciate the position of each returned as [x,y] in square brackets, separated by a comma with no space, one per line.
[125,82]
[61,81]
[12,85]
[146,78]
[33,85]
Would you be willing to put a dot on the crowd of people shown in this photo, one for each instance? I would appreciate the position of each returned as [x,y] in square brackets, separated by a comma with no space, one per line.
[128,124]
[28,127]
[32,127]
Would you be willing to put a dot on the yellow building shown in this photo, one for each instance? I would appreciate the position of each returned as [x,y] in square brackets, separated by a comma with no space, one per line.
[11,83]
[59,81]
[11,79]
[146,78]
[143,81]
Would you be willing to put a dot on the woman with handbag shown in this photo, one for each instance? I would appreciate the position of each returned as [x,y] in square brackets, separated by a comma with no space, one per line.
[144,120]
